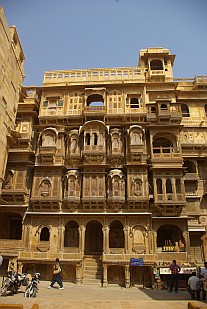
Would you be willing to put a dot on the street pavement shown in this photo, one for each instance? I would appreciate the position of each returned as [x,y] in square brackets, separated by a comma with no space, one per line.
[95,297]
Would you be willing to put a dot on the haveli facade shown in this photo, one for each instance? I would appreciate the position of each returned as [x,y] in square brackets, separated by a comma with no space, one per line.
[110,164]
[11,78]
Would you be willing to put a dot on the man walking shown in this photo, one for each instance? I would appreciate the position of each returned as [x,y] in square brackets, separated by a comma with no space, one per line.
[175,269]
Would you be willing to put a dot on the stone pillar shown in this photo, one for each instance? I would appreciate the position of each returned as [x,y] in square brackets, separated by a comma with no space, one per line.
[146,239]
[174,189]
[187,242]
[61,230]
[150,241]
[82,230]
[105,230]
[105,279]
[126,238]
[154,241]
[127,276]
[78,274]
[204,240]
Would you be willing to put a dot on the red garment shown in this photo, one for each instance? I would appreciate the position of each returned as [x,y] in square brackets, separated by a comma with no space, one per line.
[175,269]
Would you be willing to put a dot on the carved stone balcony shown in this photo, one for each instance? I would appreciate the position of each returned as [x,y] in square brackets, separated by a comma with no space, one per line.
[94,110]
[138,204]
[116,202]
[169,204]
[71,200]
[164,154]
[94,154]
[47,153]
[94,202]
[14,196]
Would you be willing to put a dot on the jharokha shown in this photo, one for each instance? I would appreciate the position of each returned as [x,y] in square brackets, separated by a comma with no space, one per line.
[99,166]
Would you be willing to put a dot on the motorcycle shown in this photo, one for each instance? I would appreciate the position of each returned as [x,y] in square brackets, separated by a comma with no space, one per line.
[32,287]
[12,283]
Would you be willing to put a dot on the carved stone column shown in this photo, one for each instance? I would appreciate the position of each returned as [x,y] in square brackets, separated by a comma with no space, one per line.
[150,241]
[61,230]
[127,276]
[204,240]
[82,230]
[187,242]
[126,237]
[78,274]
[105,279]
[154,241]
[105,230]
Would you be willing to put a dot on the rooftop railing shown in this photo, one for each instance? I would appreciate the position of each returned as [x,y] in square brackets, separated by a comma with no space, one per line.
[71,76]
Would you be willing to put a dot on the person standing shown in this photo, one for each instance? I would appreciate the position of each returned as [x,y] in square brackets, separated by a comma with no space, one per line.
[57,275]
[1,259]
[203,274]
[175,269]
[193,286]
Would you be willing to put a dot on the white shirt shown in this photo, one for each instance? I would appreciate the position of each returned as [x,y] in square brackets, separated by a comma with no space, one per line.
[192,281]
[1,259]
[204,272]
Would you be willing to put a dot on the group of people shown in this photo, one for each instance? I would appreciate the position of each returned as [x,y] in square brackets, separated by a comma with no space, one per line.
[194,284]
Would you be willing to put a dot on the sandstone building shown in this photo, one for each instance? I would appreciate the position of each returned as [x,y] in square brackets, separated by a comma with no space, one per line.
[110,164]
[11,78]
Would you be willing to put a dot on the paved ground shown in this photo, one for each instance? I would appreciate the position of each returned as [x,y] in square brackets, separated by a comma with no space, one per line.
[91,297]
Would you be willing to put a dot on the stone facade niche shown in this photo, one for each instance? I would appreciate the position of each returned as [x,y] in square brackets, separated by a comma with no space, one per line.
[72,189]
[73,148]
[139,239]
[48,145]
[116,189]
[136,142]
[116,146]
[93,135]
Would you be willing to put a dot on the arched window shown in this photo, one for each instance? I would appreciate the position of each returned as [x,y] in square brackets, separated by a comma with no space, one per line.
[88,138]
[134,103]
[71,238]
[168,186]
[95,100]
[116,235]
[178,186]
[45,234]
[153,109]
[205,109]
[163,107]
[159,186]
[189,166]
[95,138]
[185,110]
[156,65]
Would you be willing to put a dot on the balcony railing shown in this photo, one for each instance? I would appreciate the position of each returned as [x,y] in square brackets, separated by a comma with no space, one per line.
[166,152]
[95,109]
[92,75]
[94,148]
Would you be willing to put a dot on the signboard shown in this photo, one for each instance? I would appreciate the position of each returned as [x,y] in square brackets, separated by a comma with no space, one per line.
[136,262]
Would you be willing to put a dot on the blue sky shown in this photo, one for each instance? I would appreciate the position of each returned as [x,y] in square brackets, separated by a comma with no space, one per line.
[76,34]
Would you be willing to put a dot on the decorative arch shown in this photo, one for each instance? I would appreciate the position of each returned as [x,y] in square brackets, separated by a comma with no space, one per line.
[136,135]
[48,137]
[93,238]
[185,110]
[45,186]
[170,238]
[116,235]
[44,234]
[156,64]
[189,166]
[139,239]
[95,100]
[71,237]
